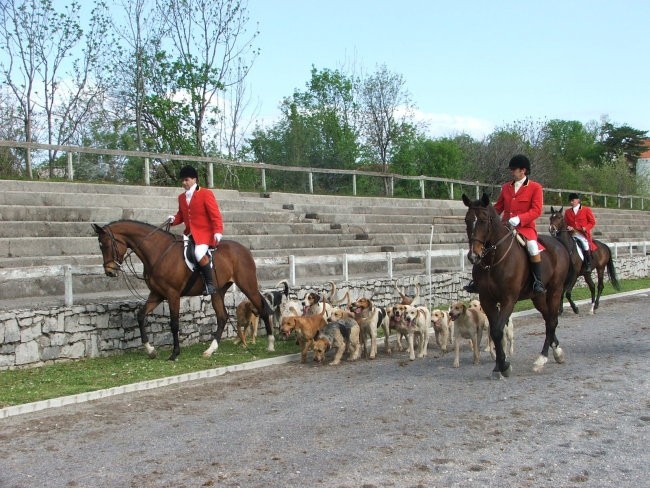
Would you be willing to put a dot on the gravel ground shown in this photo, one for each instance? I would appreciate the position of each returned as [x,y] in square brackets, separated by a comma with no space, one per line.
[383,423]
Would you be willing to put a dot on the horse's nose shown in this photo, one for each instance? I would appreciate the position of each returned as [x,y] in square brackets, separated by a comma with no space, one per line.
[472,257]
[110,271]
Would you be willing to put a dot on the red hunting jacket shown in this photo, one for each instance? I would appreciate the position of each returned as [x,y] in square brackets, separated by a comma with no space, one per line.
[582,222]
[202,216]
[527,203]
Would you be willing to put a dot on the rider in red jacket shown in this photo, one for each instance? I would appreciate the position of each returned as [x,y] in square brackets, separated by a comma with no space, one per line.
[198,209]
[520,203]
[580,221]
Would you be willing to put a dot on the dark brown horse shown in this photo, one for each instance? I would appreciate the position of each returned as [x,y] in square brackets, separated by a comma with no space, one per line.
[167,275]
[601,258]
[501,272]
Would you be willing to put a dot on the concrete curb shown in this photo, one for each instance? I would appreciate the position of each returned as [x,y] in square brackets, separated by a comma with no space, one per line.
[210,373]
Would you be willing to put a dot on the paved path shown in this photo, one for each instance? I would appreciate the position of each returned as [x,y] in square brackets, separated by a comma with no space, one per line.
[383,423]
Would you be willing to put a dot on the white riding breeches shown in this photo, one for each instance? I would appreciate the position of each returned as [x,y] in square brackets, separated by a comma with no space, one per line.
[583,240]
[533,248]
[200,250]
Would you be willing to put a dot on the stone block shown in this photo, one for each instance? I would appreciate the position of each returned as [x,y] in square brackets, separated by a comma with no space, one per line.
[27,353]
[10,331]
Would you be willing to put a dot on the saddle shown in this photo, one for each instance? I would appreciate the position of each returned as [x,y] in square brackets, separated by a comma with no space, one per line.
[188,253]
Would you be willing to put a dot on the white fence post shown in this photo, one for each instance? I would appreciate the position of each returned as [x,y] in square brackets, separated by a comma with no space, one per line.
[67,285]
[70,170]
[147,176]
[292,270]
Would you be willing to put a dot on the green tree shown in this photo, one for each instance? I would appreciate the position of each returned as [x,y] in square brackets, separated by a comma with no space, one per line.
[316,129]
[623,141]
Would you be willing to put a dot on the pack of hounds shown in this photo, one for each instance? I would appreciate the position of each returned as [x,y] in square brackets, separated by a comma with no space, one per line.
[352,327]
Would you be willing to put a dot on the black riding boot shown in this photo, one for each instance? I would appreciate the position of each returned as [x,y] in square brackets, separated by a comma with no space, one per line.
[587,263]
[208,278]
[471,287]
[538,286]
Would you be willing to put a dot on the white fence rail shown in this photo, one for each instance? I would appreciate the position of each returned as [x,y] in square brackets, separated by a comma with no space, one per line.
[66,272]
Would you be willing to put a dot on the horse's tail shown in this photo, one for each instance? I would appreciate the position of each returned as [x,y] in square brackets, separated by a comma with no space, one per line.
[611,271]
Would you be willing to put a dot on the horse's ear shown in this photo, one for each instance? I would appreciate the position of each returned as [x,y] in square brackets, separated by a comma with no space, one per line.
[552,211]
[466,200]
[98,230]
[485,200]
[560,211]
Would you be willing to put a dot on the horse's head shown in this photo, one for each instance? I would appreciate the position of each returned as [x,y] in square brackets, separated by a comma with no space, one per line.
[556,222]
[113,250]
[478,220]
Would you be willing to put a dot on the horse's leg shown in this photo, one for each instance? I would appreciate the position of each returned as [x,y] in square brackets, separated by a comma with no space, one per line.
[592,290]
[547,307]
[153,300]
[219,306]
[497,316]
[568,294]
[601,276]
[262,306]
[174,313]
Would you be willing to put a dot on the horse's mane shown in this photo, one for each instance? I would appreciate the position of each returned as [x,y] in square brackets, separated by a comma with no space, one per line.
[144,224]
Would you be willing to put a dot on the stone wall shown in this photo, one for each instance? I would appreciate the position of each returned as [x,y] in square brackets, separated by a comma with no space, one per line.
[35,337]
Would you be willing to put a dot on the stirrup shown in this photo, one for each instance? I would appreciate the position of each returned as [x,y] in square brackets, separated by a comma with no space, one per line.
[209,289]
[538,287]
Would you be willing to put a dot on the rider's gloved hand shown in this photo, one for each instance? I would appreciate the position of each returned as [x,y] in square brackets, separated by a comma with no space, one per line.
[514,221]
[217,237]
[170,219]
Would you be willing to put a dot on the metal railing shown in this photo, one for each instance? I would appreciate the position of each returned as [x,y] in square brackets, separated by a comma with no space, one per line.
[452,185]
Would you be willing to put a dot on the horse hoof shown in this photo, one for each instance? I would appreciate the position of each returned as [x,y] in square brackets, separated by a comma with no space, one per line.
[558,354]
[539,363]
[496,375]
[506,372]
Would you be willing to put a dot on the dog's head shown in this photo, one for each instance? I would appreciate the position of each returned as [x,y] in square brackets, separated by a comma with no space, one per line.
[321,345]
[288,325]
[439,317]
[457,309]
[475,304]
[310,300]
[362,306]
[396,313]
[411,314]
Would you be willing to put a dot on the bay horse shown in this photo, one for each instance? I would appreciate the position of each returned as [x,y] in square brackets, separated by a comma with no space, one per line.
[601,258]
[169,278]
[502,274]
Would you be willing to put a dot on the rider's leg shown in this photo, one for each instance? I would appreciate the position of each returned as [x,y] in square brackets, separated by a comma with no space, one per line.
[535,266]
[585,251]
[205,266]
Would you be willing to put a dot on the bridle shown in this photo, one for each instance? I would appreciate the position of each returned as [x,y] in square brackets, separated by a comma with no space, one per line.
[116,261]
[130,249]
[554,230]
[488,249]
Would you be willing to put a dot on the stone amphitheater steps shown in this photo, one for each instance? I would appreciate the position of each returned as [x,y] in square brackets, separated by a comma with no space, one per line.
[48,224]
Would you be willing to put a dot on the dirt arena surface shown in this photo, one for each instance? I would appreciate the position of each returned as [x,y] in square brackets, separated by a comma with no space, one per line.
[383,423]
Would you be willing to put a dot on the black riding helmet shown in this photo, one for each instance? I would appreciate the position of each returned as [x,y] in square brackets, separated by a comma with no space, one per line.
[519,161]
[573,195]
[188,172]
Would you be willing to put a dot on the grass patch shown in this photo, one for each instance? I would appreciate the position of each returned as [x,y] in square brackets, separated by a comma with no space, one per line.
[582,292]
[85,375]
[69,378]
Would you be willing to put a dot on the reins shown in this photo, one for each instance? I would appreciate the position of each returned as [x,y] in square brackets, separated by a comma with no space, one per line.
[131,249]
[487,250]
